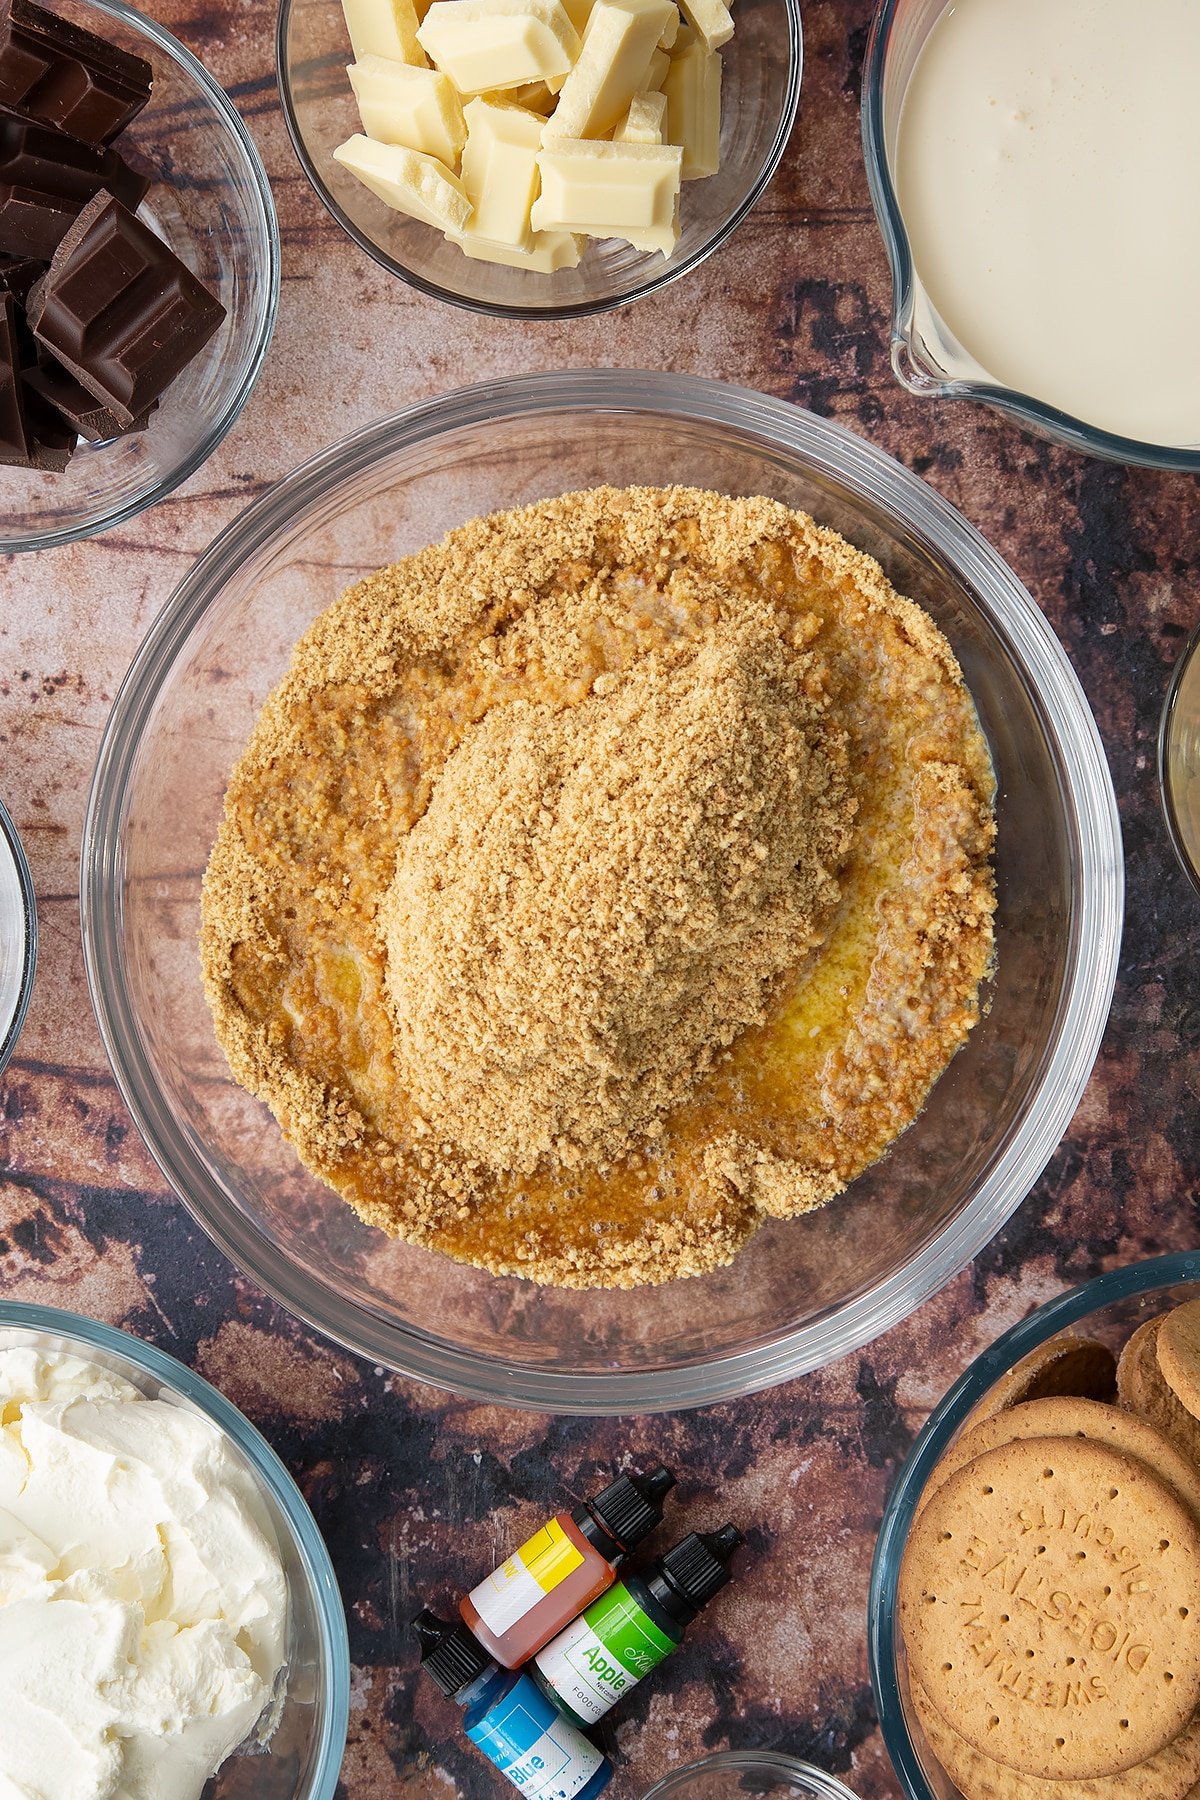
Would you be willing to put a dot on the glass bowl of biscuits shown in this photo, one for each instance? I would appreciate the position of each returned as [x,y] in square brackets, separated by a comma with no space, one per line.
[1033,1616]
[474,169]
[524,1153]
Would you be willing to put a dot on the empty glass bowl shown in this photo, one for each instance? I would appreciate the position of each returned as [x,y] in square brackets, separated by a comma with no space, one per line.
[926,358]
[1179,759]
[18,937]
[801,1293]
[742,1774]
[1110,1309]
[760,93]
[212,203]
[304,1755]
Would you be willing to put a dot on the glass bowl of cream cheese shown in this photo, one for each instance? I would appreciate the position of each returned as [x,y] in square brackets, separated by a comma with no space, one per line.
[1028,166]
[170,1623]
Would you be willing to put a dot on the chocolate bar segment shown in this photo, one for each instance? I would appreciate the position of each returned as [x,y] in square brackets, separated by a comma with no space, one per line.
[119,309]
[52,441]
[63,75]
[88,417]
[14,434]
[17,276]
[47,178]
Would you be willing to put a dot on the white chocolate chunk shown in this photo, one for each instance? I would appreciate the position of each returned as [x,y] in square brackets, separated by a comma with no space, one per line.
[500,171]
[711,18]
[384,28]
[534,95]
[548,251]
[644,122]
[671,32]
[494,44]
[408,182]
[419,108]
[663,237]
[609,190]
[693,90]
[621,38]
[656,74]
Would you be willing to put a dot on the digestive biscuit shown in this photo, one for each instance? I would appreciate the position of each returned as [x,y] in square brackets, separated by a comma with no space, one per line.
[1050,1605]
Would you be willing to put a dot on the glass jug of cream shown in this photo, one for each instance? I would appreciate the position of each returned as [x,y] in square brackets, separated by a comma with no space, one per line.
[1032,163]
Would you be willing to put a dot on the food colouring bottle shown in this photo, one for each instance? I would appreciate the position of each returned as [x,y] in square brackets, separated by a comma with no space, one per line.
[570,1562]
[510,1720]
[635,1626]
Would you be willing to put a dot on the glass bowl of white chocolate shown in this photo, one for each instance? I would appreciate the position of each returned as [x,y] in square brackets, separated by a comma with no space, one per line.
[170,1622]
[539,158]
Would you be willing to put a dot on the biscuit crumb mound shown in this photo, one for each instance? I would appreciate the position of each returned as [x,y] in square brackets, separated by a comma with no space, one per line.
[602,881]
[600,898]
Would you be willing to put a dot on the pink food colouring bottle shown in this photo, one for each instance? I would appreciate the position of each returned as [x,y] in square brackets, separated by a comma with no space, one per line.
[569,1563]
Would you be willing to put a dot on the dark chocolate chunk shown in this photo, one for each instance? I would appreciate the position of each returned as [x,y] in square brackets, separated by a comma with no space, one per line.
[15,447]
[63,75]
[119,309]
[52,441]
[47,178]
[88,417]
[17,276]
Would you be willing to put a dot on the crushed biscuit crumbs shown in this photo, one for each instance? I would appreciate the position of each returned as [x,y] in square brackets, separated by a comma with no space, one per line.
[603,881]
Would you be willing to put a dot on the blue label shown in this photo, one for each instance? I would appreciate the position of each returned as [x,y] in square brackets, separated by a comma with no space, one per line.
[529,1741]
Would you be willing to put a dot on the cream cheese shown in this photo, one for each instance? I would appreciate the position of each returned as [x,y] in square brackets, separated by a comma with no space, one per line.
[143,1606]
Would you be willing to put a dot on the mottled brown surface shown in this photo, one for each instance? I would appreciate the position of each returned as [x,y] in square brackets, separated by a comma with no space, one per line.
[412,1488]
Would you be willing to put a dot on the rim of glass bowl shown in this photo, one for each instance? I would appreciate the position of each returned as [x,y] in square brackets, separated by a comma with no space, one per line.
[1056,1315]
[1095,927]
[1165,790]
[909,371]
[223,105]
[579,309]
[306,1535]
[754,1762]
[12,840]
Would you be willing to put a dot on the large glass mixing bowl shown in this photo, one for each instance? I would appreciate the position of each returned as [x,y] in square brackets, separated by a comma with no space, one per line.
[802,1293]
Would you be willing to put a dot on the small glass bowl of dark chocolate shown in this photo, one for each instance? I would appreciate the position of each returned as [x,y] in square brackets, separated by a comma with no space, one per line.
[187,166]
[760,94]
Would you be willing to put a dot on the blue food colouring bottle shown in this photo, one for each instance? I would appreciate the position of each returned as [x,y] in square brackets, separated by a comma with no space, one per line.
[510,1719]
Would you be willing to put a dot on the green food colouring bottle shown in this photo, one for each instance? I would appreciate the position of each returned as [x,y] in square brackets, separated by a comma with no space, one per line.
[596,1661]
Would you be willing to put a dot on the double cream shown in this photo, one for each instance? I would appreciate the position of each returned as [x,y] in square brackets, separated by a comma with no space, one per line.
[1046,171]
[143,1606]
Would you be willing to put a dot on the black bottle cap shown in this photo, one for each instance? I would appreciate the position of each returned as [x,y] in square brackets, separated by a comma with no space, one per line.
[695,1570]
[630,1508]
[449,1654]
